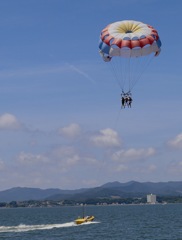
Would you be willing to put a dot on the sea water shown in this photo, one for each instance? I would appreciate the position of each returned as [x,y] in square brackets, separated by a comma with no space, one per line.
[120,222]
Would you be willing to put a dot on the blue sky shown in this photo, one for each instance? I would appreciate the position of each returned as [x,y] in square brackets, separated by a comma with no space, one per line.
[60,119]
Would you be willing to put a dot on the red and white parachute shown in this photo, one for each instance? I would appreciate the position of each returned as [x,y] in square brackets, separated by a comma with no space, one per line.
[129,46]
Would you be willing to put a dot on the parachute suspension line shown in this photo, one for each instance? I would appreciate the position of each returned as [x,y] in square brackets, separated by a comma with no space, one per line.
[129,74]
[123,73]
[114,68]
[128,70]
[134,70]
[141,65]
[122,68]
[126,75]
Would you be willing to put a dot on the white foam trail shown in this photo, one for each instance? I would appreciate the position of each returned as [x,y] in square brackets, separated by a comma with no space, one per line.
[26,228]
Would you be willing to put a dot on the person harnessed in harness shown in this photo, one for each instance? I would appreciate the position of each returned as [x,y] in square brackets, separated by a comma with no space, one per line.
[126,99]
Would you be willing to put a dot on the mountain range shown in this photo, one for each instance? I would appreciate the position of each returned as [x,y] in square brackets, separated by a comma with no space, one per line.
[108,190]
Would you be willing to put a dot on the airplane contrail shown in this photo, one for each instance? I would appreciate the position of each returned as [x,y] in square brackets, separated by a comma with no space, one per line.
[82,73]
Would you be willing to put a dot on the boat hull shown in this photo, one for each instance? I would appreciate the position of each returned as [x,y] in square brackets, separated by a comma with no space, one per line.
[84,220]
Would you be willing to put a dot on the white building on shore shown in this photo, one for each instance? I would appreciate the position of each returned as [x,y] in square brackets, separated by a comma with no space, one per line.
[151,198]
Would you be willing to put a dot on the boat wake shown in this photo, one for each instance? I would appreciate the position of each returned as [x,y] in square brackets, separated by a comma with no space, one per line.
[87,223]
[26,228]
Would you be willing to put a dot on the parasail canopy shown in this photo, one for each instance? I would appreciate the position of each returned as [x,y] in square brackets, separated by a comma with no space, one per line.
[130,41]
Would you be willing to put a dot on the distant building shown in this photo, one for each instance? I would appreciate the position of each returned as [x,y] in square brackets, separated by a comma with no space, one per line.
[151,199]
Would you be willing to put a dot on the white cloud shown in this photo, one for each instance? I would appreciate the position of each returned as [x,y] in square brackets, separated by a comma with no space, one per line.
[70,131]
[65,156]
[72,160]
[121,168]
[31,159]
[133,154]
[9,121]
[176,167]
[152,167]
[176,142]
[90,160]
[2,166]
[106,138]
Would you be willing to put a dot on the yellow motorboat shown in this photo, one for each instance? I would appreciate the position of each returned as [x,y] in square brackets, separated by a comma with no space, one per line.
[80,220]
